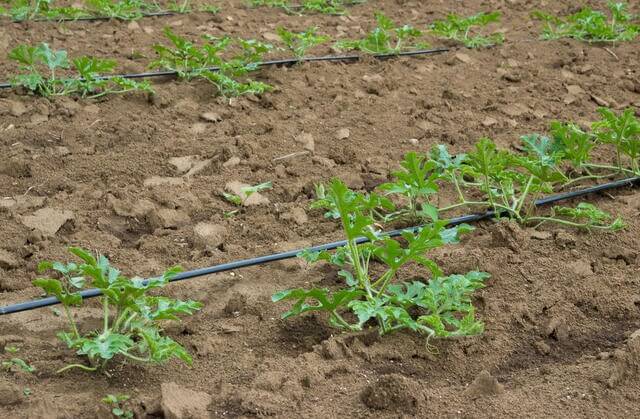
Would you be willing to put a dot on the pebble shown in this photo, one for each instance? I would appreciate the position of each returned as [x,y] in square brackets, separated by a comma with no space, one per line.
[343,134]
[182,403]
[48,220]
[211,117]
[8,260]
[168,218]
[209,235]
[307,141]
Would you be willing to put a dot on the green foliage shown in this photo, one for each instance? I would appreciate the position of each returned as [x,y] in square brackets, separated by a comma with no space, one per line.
[11,349]
[19,363]
[118,402]
[131,317]
[572,143]
[42,66]
[440,307]
[229,75]
[299,43]
[461,29]
[245,193]
[332,7]
[509,183]
[20,10]
[592,25]
[415,183]
[623,132]
[587,216]
[386,38]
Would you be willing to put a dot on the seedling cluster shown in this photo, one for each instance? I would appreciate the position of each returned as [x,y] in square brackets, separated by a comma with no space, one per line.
[385,38]
[331,7]
[509,183]
[592,25]
[41,67]
[228,74]
[438,307]
[132,317]
[463,29]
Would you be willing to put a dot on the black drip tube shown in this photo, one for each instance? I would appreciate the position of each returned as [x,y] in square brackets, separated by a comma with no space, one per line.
[244,263]
[284,62]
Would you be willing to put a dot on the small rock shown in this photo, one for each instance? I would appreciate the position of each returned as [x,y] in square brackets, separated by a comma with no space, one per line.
[514,110]
[17,108]
[7,260]
[574,89]
[209,235]
[139,210]
[168,218]
[271,37]
[324,161]
[39,118]
[581,267]
[232,162]
[254,199]
[541,235]
[280,171]
[392,392]
[211,117]
[133,26]
[600,101]
[557,329]
[413,141]
[569,99]
[307,141]
[342,134]
[237,302]
[182,403]
[484,385]
[9,393]
[542,347]
[463,58]
[198,167]
[163,181]
[565,239]
[198,128]
[375,83]
[489,121]
[297,215]
[183,164]
[48,220]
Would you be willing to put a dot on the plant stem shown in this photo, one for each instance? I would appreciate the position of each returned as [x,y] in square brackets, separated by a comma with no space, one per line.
[105,309]
[82,367]
[568,223]
[135,358]
[523,197]
[71,321]
[601,166]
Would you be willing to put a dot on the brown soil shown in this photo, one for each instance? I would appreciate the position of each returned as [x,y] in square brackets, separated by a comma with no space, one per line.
[560,309]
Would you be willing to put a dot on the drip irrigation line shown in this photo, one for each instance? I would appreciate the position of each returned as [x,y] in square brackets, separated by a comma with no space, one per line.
[245,263]
[277,63]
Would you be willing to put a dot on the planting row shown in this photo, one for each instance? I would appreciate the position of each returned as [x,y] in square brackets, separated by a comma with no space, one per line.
[375,292]
[21,10]
[226,62]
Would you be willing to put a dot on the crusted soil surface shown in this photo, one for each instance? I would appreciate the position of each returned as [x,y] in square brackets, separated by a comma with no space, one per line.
[140,179]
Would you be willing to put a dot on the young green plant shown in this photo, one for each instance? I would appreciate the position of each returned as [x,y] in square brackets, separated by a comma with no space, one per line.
[117,403]
[245,193]
[300,43]
[228,75]
[41,67]
[592,25]
[462,29]
[386,38]
[438,307]
[131,317]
